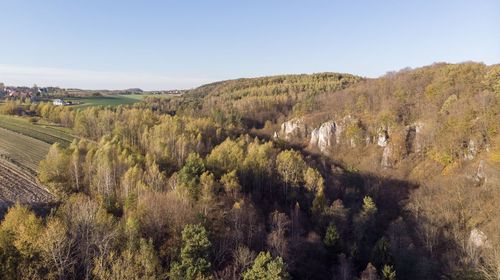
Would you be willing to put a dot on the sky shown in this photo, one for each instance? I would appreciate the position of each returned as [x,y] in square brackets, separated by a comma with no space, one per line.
[98,44]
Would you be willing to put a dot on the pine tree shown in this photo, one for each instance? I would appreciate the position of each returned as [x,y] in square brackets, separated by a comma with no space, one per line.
[190,173]
[331,236]
[194,260]
[388,272]
[266,268]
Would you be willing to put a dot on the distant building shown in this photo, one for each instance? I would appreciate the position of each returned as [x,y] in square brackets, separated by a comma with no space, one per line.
[59,102]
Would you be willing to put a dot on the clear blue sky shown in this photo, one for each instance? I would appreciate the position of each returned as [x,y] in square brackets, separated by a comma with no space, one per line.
[181,44]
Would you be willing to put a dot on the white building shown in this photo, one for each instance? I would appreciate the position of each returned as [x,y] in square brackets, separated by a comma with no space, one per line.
[59,102]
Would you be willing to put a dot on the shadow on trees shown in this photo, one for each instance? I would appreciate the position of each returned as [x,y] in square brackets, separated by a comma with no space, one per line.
[351,187]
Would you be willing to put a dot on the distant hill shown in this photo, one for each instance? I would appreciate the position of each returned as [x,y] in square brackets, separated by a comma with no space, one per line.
[277,85]
[257,100]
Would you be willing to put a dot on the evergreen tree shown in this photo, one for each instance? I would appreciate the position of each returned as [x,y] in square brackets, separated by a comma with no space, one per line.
[266,268]
[388,272]
[369,207]
[381,253]
[331,236]
[190,173]
[194,260]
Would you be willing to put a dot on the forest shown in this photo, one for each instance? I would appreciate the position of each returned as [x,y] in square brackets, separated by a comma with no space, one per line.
[211,184]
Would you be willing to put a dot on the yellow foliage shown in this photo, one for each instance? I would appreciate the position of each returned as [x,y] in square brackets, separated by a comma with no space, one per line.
[440,156]
[495,156]
[450,168]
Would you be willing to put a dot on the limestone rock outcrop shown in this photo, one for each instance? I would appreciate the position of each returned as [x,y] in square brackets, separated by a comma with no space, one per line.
[347,128]
[332,133]
[349,132]
[477,238]
[386,161]
[480,173]
[414,139]
[322,136]
[471,150]
[383,138]
[294,128]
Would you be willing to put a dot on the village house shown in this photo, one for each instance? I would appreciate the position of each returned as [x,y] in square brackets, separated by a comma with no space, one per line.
[59,102]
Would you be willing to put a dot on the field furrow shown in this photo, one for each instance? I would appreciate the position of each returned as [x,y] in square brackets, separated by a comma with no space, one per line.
[25,151]
[46,133]
[18,185]
[19,159]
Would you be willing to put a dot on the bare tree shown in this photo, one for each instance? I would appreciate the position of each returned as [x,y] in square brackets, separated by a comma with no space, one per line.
[277,238]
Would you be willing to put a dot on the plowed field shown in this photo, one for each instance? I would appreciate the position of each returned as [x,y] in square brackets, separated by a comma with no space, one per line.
[19,158]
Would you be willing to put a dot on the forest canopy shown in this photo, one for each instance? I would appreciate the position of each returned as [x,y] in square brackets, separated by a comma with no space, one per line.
[198,187]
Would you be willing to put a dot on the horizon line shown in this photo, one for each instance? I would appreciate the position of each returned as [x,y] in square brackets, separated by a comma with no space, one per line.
[27,76]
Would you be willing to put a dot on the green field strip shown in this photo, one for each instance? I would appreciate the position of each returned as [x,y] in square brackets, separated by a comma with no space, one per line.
[21,149]
[41,132]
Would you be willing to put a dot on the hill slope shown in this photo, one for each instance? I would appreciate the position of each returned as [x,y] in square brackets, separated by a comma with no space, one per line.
[254,101]
[437,126]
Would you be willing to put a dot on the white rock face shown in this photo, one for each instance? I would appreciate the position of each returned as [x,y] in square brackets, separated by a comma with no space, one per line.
[383,138]
[352,143]
[386,156]
[338,133]
[471,152]
[477,238]
[314,137]
[293,128]
[321,137]
[418,143]
[414,138]
[480,173]
[341,127]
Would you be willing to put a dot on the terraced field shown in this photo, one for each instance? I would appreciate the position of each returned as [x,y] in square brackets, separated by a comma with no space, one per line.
[19,158]
[47,133]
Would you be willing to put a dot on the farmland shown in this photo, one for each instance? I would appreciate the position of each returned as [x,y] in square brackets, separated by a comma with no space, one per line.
[108,100]
[44,132]
[23,150]
[19,158]
[18,185]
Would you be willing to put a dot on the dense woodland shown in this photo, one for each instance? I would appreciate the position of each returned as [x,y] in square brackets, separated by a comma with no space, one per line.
[196,187]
